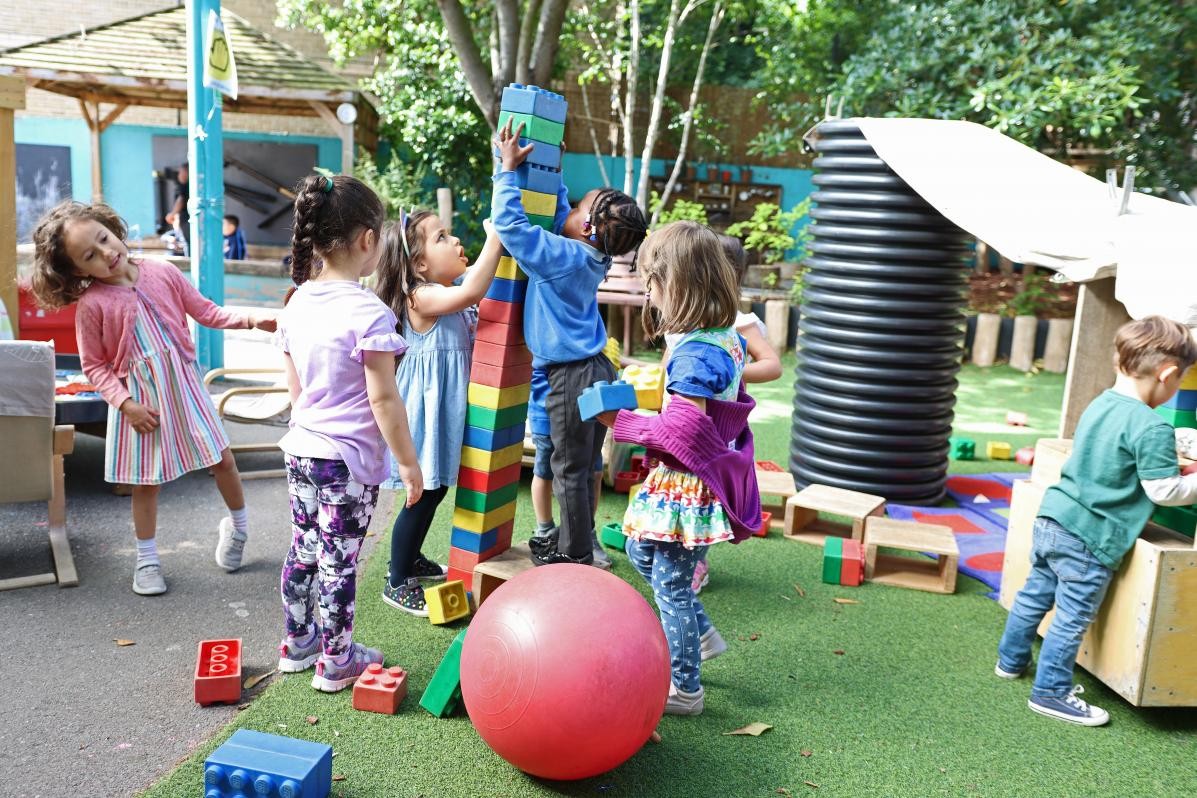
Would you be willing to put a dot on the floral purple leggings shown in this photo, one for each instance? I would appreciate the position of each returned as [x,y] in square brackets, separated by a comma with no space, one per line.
[330,512]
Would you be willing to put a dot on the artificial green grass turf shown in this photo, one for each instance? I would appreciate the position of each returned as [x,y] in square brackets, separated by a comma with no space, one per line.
[910,708]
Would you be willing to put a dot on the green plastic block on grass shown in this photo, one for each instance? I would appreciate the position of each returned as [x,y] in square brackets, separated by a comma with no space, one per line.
[612,536]
[1178,519]
[443,694]
[535,127]
[477,502]
[488,418]
[833,557]
[1178,418]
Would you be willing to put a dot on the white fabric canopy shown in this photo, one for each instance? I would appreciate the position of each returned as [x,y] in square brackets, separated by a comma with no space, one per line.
[1036,210]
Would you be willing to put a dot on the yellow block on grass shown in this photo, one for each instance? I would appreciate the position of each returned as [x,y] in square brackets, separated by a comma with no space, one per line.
[997,450]
[487,461]
[508,269]
[447,602]
[538,203]
[483,522]
[497,398]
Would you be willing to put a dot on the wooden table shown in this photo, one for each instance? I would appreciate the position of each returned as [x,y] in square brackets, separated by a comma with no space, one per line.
[626,289]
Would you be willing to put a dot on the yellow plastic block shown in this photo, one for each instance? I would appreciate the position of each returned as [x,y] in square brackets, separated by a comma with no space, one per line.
[997,450]
[1189,381]
[488,461]
[649,382]
[498,398]
[482,522]
[447,602]
[538,203]
[612,351]
[508,269]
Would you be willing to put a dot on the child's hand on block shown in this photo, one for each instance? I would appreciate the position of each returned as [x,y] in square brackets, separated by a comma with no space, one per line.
[511,154]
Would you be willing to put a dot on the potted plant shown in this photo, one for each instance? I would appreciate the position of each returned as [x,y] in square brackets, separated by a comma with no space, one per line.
[767,234]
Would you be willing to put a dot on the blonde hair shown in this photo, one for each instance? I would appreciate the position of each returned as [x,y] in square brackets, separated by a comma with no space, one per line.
[689,264]
[1144,345]
[55,283]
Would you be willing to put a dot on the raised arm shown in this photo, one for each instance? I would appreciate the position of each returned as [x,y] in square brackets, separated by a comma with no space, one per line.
[437,300]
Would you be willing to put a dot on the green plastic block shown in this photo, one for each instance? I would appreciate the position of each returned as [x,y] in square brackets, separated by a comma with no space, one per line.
[485,502]
[612,536]
[1178,418]
[1178,519]
[488,418]
[535,127]
[541,221]
[443,694]
[963,448]
[833,556]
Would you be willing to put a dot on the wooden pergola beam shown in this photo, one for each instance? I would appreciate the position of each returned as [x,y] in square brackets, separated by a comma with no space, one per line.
[12,99]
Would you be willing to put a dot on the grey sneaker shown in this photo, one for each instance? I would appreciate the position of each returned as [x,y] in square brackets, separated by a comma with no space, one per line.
[1070,708]
[601,558]
[333,676]
[712,644]
[147,579]
[1002,673]
[682,703]
[230,544]
[294,658]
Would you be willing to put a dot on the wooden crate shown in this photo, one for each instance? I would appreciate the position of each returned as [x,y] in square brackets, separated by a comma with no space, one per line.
[803,524]
[916,573]
[779,484]
[489,575]
[1143,643]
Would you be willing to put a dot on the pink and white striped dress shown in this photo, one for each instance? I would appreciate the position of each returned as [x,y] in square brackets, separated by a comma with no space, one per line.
[189,435]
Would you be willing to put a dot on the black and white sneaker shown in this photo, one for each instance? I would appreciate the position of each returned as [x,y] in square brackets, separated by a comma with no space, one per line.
[427,570]
[1070,708]
[554,557]
[545,543]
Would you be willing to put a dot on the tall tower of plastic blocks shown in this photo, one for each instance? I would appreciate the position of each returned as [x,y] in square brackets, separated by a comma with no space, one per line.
[500,376]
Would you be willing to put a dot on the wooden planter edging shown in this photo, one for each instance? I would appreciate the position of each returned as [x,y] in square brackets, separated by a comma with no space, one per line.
[1051,343]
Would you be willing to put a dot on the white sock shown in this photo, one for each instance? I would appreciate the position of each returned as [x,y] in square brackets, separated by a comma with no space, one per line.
[147,551]
[240,520]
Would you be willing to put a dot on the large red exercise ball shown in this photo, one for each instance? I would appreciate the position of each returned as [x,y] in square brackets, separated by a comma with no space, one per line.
[565,671]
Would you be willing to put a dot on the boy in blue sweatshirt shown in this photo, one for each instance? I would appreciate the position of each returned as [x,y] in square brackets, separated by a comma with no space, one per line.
[564,329]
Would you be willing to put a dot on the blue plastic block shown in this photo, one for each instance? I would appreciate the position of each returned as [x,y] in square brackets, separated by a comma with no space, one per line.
[507,290]
[538,178]
[1183,400]
[252,763]
[493,439]
[472,541]
[534,100]
[546,155]
[604,396]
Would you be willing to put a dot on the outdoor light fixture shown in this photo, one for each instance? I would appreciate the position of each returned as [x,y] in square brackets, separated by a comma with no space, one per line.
[347,113]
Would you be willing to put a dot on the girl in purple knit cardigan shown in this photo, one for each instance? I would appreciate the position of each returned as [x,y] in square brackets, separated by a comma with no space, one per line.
[704,490]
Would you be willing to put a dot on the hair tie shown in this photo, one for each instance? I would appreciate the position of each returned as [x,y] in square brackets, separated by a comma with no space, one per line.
[328,184]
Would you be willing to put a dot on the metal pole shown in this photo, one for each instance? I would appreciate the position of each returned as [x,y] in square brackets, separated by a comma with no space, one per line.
[205,154]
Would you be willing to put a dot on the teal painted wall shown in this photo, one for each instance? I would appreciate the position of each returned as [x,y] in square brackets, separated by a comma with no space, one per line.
[126,153]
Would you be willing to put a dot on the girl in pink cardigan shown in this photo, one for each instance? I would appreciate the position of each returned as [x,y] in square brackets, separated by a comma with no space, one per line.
[704,489]
[135,348]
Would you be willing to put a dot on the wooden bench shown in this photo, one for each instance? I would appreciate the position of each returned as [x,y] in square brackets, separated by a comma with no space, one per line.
[915,573]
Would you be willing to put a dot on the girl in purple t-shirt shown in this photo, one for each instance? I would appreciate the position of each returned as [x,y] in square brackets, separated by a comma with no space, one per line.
[340,346]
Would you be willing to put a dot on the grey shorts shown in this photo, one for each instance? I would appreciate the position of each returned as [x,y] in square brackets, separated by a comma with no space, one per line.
[544,452]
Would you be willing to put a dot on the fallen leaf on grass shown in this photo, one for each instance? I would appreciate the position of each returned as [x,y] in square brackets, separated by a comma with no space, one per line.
[338,777]
[312,720]
[754,636]
[655,736]
[254,681]
[838,652]
[811,784]
[845,601]
[807,752]
[801,592]
[121,642]
[754,729]
[787,598]
[783,791]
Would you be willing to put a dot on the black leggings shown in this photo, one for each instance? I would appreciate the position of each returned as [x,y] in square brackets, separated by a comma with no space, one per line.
[409,531]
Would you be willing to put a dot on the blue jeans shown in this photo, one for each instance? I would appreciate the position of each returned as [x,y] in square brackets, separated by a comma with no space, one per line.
[669,569]
[1064,573]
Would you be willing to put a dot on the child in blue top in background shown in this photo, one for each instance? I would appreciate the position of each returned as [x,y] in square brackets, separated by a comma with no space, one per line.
[564,329]
[1123,461]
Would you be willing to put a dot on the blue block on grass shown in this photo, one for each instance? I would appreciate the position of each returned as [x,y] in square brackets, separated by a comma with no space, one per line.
[538,178]
[471,541]
[492,440]
[534,100]
[546,155]
[506,290]
[252,763]
[604,396]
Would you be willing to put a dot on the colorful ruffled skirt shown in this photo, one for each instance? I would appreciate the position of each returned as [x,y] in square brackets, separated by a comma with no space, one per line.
[676,507]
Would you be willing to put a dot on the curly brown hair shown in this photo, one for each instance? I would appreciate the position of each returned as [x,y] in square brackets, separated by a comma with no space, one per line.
[55,283]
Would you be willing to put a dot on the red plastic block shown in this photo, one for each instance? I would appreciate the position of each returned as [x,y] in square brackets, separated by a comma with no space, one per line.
[380,689]
[1025,455]
[465,561]
[218,672]
[1016,419]
[496,332]
[499,355]
[502,544]
[852,564]
[624,480]
[500,311]
[637,463]
[764,530]
[500,376]
[769,465]
[487,481]
[466,577]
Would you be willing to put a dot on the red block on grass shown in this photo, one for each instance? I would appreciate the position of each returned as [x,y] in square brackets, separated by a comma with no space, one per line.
[500,376]
[380,689]
[768,465]
[496,332]
[852,564]
[499,355]
[218,672]
[624,480]
[500,311]
[487,481]
[764,530]
[1025,455]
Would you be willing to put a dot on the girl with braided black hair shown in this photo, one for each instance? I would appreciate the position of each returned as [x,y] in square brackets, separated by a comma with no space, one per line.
[564,329]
